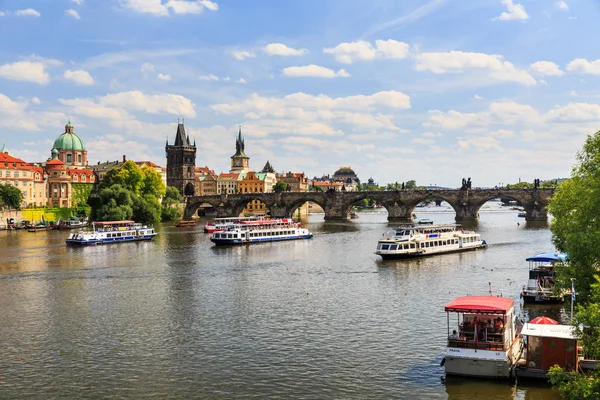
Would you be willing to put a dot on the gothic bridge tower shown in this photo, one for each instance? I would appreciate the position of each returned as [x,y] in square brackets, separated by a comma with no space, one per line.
[240,162]
[181,163]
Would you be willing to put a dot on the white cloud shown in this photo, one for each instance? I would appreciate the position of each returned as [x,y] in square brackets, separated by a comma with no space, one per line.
[14,114]
[25,71]
[480,143]
[500,112]
[35,100]
[477,97]
[280,49]
[158,8]
[226,79]
[241,80]
[147,67]
[575,112]
[80,77]
[73,13]
[546,68]
[209,77]
[315,71]
[423,141]
[431,135]
[584,66]
[164,77]
[242,54]
[493,65]
[2,14]
[30,12]
[515,12]
[163,103]
[78,2]
[562,5]
[212,6]
[361,50]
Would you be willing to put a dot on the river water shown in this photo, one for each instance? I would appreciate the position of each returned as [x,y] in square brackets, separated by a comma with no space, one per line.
[312,319]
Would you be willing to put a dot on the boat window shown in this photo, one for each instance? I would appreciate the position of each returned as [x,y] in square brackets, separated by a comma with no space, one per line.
[412,245]
[385,247]
[393,247]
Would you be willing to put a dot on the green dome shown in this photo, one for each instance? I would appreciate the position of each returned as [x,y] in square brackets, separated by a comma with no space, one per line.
[69,140]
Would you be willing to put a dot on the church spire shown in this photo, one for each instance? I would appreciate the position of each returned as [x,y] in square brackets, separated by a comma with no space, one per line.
[239,145]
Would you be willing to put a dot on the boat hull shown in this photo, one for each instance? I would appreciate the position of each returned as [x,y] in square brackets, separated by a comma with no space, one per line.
[229,242]
[498,369]
[532,299]
[399,256]
[93,242]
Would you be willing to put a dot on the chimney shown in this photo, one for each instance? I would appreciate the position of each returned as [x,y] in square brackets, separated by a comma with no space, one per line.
[124,158]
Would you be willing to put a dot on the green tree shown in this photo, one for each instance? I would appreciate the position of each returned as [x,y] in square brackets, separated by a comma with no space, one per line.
[280,186]
[116,204]
[146,209]
[576,228]
[152,182]
[412,184]
[129,176]
[11,196]
[575,386]
[170,210]
[80,193]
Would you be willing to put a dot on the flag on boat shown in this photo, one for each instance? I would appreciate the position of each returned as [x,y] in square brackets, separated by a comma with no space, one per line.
[572,291]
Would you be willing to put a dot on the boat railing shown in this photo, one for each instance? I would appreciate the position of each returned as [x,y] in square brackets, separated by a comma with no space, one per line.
[493,343]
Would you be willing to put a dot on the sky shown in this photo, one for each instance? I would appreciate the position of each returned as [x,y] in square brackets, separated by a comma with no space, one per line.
[430,90]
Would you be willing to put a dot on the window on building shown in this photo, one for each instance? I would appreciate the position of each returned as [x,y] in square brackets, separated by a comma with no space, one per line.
[79,158]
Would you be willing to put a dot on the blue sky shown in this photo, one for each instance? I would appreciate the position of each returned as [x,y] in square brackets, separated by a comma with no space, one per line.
[431,90]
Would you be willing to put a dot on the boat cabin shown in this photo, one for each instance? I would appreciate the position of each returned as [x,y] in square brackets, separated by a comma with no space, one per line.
[481,322]
[547,345]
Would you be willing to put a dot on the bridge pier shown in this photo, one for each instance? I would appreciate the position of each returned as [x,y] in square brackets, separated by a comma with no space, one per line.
[467,212]
[398,212]
[536,213]
[277,211]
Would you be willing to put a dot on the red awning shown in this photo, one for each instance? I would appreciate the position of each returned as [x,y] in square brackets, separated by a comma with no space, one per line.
[543,321]
[480,304]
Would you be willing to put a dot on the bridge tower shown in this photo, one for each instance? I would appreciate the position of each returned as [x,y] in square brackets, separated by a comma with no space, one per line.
[181,162]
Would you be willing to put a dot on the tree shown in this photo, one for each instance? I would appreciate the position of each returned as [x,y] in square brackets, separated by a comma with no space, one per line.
[170,202]
[116,204]
[412,184]
[280,186]
[576,227]
[575,386]
[152,182]
[146,209]
[11,196]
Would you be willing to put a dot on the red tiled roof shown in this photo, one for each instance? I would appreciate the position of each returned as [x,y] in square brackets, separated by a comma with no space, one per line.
[229,176]
[55,161]
[6,158]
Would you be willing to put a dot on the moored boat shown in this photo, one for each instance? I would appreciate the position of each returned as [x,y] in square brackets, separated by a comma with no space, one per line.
[483,339]
[241,234]
[540,285]
[425,221]
[38,227]
[112,232]
[415,241]
[547,344]
[71,223]
[186,222]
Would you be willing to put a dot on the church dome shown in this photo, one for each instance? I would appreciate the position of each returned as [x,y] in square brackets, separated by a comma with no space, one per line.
[345,171]
[69,140]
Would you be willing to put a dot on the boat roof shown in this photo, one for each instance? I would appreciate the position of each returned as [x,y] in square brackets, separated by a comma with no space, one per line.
[552,331]
[480,304]
[114,222]
[548,257]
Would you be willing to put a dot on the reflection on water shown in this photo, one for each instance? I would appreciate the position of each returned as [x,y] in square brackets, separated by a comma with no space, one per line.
[180,318]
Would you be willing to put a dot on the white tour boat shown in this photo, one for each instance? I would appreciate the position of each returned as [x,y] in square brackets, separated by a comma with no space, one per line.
[241,234]
[112,232]
[413,241]
[540,285]
[483,339]
[219,224]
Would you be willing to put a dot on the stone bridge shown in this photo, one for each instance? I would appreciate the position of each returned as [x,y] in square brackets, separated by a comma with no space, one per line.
[399,204]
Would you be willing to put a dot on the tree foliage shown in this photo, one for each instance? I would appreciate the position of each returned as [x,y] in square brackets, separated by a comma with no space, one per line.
[130,192]
[576,226]
[11,196]
[170,210]
[575,386]
[280,186]
[80,193]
